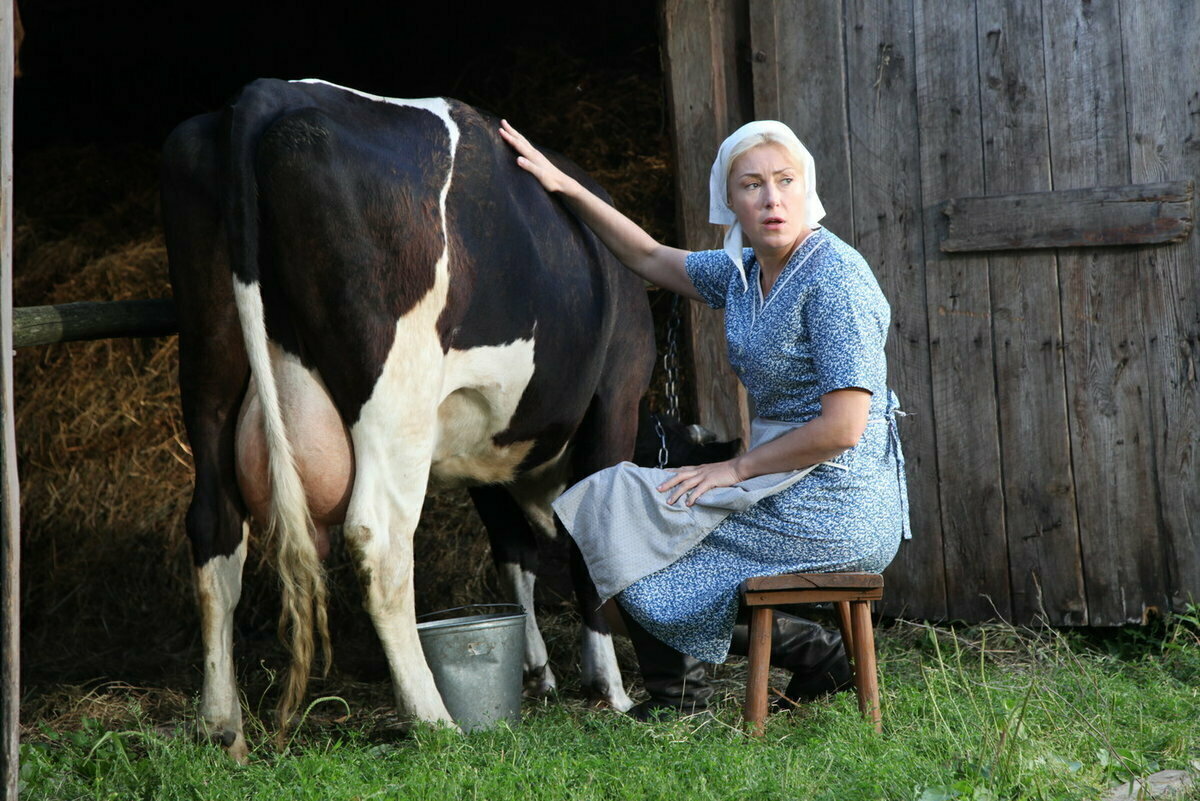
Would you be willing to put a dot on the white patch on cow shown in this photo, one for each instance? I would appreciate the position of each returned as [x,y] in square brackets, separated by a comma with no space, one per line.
[520,585]
[435,105]
[219,587]
[601,675]
[481,388]
[394,439]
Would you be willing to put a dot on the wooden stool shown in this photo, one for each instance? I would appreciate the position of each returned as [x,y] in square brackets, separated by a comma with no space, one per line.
[851,593]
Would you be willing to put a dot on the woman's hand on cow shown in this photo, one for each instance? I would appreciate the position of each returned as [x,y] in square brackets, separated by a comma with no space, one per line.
[696,480]
[530,159]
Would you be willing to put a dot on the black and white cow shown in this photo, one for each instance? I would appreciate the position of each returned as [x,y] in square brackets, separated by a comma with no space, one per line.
[372,296]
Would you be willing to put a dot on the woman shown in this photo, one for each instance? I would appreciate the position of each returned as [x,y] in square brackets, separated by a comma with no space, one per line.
[821,487]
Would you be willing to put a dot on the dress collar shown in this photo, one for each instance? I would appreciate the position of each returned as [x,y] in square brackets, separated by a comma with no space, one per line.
[799,257]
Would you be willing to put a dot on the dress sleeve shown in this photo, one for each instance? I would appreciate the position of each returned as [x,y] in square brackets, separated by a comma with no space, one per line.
[710,271]
[841,316]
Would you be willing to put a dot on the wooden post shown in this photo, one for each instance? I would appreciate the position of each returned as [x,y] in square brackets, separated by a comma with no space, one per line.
[760,668]
[704,92]
[10,641]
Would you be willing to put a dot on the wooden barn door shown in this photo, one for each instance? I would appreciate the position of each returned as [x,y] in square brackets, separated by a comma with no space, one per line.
[1054,435]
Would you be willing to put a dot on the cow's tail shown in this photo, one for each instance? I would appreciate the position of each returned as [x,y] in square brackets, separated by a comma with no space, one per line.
[301,576]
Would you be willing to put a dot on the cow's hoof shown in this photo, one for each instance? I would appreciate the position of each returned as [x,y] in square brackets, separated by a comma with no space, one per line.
[224,736]
[236,747]
[604,697]
[233,742]
[540,682]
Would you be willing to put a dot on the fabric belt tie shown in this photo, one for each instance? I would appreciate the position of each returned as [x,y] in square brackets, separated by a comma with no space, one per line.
[893,448]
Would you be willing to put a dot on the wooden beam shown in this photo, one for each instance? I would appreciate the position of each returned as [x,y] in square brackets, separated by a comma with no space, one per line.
[72,322]
[886,205]
[10,613]
[704,94]
[1137,214]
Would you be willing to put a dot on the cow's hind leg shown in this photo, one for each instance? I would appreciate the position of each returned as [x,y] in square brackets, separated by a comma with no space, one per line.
[212,378]
[605,437]
[601,675]
[514,551]
[393,449]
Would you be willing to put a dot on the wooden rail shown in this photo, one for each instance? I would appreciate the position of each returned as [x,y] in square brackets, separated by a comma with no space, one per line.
[73,322]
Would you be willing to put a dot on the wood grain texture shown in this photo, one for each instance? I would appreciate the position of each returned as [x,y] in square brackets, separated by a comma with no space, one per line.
[960,326]
[811,596]
[700,65]
[759,669]
[1042,529]
[73,322]
[1105,359]
[887,223]
[802,581]
[10,567]
[1164,129]
[799,60]
[1135,214]
[866,673]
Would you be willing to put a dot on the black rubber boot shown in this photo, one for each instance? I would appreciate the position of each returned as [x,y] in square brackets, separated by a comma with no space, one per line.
[814,654]
[677,683]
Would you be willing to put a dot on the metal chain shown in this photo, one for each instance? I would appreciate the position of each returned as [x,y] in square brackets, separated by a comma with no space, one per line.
[663,454]
[671,358]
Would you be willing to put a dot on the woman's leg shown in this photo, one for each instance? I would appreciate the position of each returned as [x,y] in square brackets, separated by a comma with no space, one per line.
[674,680]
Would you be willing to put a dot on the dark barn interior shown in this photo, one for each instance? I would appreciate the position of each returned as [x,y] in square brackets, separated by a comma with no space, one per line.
[106,574]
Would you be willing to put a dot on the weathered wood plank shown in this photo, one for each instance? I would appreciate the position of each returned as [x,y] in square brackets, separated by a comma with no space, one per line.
[10,569]
[1045,567]
[799,58]
[886,192]
[703,93]
[1163,105]
[72,322]
[960,332]
[1105,359]
[1136,214]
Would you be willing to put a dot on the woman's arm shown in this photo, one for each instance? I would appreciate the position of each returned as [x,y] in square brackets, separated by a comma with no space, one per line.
[836,429]
[637,250]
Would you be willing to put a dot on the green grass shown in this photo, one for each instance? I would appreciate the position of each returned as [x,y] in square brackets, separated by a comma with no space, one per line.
[979,713]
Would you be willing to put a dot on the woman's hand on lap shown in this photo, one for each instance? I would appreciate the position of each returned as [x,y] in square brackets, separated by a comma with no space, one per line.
[699,479]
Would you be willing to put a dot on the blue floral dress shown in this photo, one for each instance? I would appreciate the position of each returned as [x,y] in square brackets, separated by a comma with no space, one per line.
[822,327]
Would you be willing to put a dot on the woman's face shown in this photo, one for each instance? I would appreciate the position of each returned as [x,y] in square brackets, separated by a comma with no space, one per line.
[766,193]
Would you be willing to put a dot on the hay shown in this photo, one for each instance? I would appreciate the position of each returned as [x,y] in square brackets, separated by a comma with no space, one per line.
[104,463]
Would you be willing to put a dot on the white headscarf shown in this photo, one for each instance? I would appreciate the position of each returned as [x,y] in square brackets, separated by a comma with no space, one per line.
[719,212]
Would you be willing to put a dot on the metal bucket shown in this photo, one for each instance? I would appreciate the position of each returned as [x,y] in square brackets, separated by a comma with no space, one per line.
[477,662]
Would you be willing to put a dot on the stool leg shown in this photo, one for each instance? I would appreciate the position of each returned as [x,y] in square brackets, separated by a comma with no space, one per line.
[760,663]
[866,679]
[847,629]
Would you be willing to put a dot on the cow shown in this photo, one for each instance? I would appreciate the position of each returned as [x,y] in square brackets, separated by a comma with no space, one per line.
[373,298]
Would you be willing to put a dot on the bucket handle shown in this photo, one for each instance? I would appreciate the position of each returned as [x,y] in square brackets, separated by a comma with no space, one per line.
[518,607]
